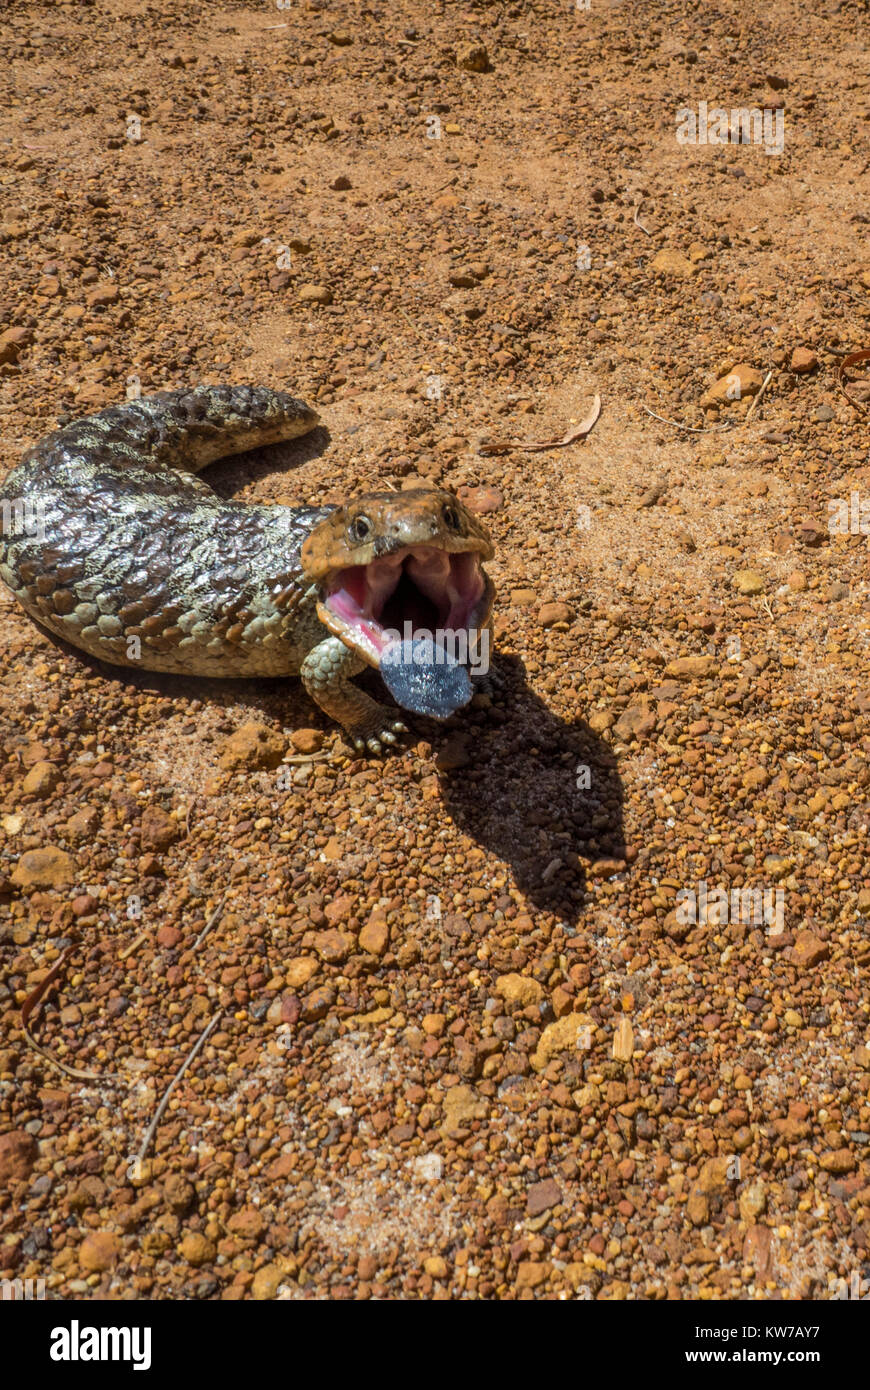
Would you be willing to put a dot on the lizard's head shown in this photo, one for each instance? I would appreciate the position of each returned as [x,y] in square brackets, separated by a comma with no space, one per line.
[391,558]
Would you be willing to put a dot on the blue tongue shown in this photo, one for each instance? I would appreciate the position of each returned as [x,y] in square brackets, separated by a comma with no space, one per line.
[422,676]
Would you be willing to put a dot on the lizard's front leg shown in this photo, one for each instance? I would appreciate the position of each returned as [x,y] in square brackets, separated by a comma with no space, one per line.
[326,674]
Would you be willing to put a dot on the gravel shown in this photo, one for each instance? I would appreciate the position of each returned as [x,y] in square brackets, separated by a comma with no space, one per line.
[475,1038]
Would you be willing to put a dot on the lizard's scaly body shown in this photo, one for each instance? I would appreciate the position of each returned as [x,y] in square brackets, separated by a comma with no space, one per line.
[111,541]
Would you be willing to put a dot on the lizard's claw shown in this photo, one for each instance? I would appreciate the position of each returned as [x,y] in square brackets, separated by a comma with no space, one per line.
[374,742]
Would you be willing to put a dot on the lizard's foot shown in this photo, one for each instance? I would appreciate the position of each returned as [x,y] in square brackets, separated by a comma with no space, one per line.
[325,673]
[370,735]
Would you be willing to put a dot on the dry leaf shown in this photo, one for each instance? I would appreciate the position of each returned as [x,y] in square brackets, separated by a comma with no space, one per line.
[38,994]
[32,1002]
[852,361]
[576,432]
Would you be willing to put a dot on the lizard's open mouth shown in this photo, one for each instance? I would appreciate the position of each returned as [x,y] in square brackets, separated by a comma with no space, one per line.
[416,589]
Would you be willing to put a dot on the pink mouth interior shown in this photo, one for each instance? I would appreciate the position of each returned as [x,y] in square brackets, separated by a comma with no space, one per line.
[424,586]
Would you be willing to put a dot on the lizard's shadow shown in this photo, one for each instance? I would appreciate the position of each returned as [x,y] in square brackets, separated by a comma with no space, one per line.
[533,789]
[537,791]
[230,475]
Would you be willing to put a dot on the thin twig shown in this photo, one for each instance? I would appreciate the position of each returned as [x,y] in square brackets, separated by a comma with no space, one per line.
[708,429]
[128,950]
[409,323]
[149,1134]
[210,923]
[640,224]
[764,386]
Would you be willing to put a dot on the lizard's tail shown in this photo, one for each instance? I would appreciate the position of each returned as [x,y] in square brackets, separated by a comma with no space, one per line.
[185,430]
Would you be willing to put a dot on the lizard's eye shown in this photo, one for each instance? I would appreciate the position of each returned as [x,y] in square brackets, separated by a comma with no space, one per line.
[360,528]
[451,519]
